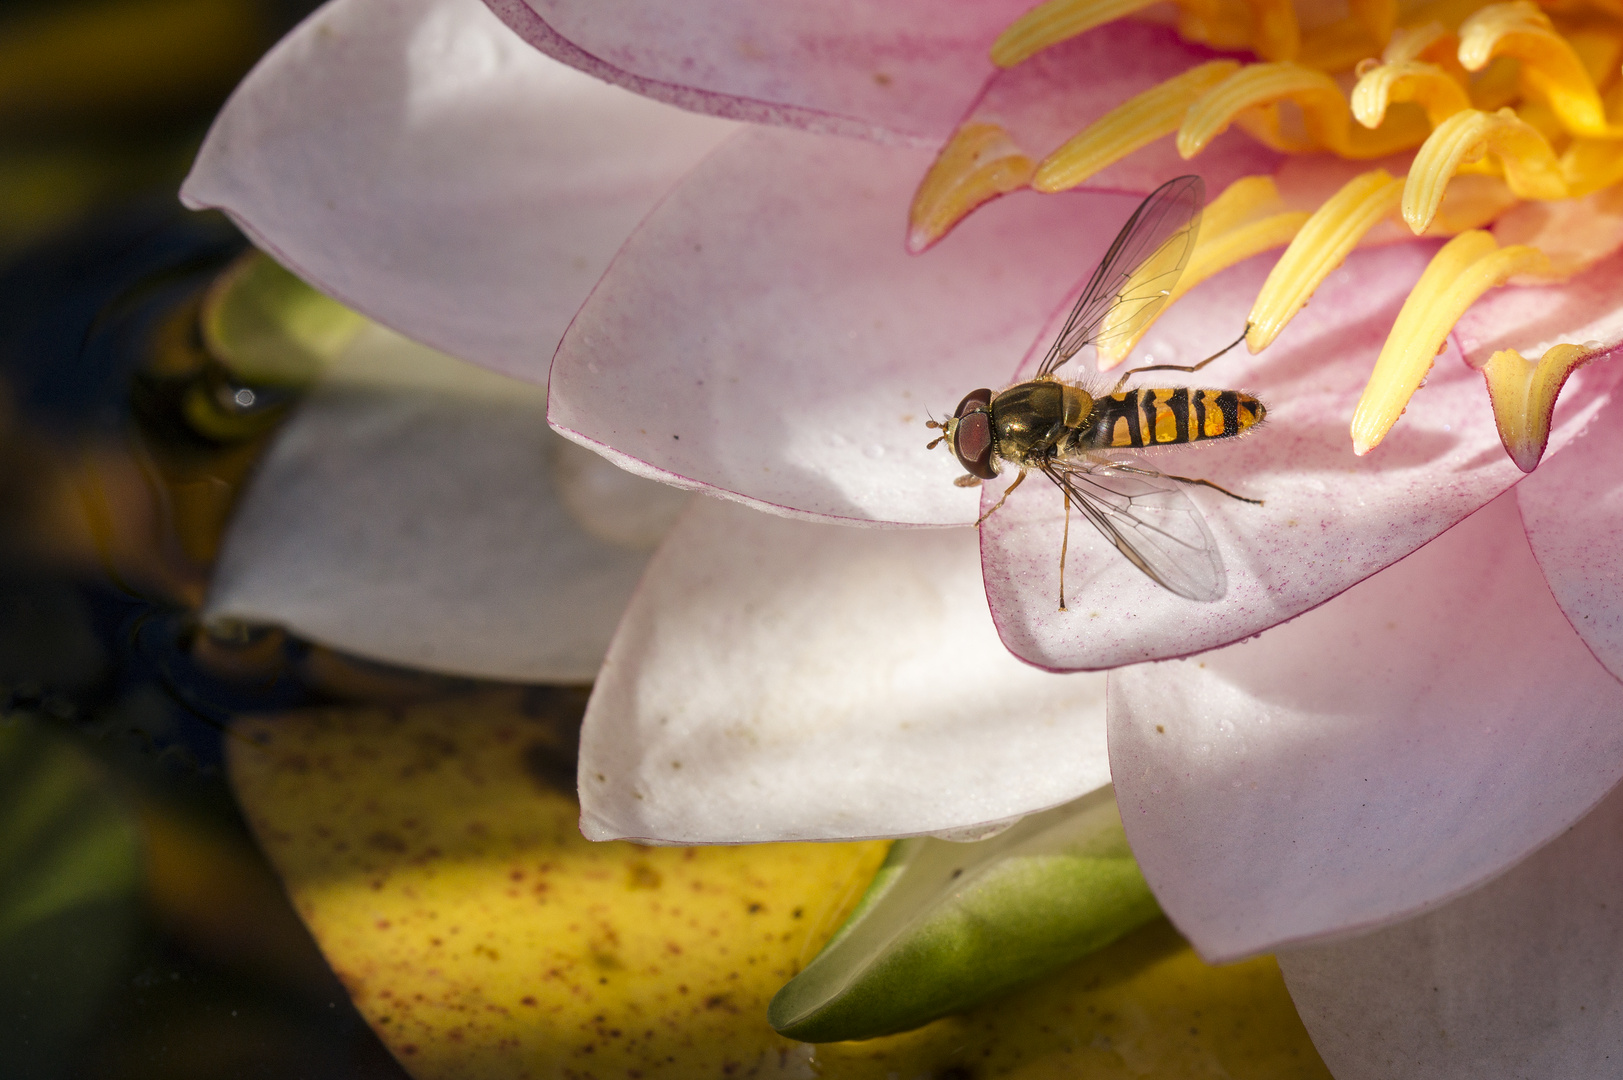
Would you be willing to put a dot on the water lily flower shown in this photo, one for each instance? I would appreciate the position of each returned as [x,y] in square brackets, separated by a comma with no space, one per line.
[1419,746]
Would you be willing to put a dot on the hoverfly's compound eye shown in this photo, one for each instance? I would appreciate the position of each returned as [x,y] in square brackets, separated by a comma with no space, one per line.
[972,434]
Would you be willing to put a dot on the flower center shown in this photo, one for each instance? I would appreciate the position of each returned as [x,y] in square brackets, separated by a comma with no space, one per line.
[1494,105]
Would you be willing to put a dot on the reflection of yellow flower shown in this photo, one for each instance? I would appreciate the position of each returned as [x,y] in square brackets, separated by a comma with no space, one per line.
[1505,96]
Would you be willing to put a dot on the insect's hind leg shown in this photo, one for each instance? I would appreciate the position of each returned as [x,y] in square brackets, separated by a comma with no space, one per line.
[1191,480]
[998,505]
[1121,382]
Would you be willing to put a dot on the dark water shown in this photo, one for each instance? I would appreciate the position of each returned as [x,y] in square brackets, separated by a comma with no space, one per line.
[114,961]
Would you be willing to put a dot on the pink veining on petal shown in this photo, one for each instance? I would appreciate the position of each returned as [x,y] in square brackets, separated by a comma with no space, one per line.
[1572,506]
[901,71]
[1329,518]
[1371,759]
[1518,979]
[416,160]
[765,336]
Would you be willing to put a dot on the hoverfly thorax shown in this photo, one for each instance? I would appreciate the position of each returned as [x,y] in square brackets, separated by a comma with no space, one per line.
[1033,420]
[1074,435]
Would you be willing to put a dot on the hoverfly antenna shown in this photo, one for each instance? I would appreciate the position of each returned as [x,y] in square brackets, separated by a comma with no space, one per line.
[934,425]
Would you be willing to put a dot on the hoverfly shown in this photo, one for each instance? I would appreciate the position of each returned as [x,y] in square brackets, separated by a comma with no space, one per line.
[1072,433]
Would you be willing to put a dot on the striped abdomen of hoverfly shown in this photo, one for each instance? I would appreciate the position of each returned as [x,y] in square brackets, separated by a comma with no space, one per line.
[1155,416]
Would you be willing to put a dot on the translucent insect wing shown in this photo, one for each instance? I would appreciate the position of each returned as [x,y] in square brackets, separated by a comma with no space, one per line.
[1150,519]
[1138,272]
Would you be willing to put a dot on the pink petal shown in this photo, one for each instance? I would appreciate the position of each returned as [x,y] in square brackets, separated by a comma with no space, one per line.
[1329,520]
[1572,506]
[414,159]
[1044,101]
[764,335]
[1371,759]
[1530,319]
[896,71]
[1518,979]
[406,513]
[783,680]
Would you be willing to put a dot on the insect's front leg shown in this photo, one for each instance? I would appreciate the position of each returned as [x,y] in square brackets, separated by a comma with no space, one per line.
[1017,481]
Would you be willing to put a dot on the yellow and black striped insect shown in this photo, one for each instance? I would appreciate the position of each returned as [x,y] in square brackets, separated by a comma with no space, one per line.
[1073,434]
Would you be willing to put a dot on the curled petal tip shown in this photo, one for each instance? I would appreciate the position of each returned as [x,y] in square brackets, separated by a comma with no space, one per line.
[1523,394]
[979,163]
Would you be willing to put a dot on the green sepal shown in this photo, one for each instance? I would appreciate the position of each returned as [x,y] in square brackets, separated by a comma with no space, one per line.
[946,925]
[268,328]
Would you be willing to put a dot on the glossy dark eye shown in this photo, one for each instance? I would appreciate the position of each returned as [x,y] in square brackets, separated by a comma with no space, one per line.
[972,438]
[981,397]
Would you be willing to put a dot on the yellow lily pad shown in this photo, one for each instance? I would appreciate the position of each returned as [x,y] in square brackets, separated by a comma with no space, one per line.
[433,851]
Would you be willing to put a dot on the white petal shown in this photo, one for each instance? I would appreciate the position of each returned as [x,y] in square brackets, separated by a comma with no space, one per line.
[1572,506]
[778,679]
[408,513]
[418,161]
[1516,980]
[892,71]
[766,336]
[1372,758]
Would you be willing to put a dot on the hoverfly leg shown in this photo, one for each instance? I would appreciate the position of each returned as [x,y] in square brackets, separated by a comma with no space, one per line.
[966,480]
[1064,546]
[1195,480]
[1121,382]
[1000,502]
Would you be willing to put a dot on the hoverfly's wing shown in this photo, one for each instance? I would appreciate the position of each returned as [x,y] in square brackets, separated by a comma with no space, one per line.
[1137,274]
[1150,520]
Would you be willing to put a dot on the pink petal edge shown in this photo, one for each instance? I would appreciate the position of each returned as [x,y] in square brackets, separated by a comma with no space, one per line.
[1371,759]
[899,72]
[1572,507]
[417,161]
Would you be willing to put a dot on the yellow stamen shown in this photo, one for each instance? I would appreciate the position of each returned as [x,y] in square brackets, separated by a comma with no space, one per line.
[1497,85]
[1133,124]
[979,162]
[1054,22]
[1523,395]
[1274,32]
[1550,68]
[1247,219]
[1251,96]
[1592,164]
[1598,48]
[1467,266]
[1222,24]
[1529,164]
[1430,42]
[1427,85]
[1337,46]
[1323,244]
[1267,27]
[1378,17]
